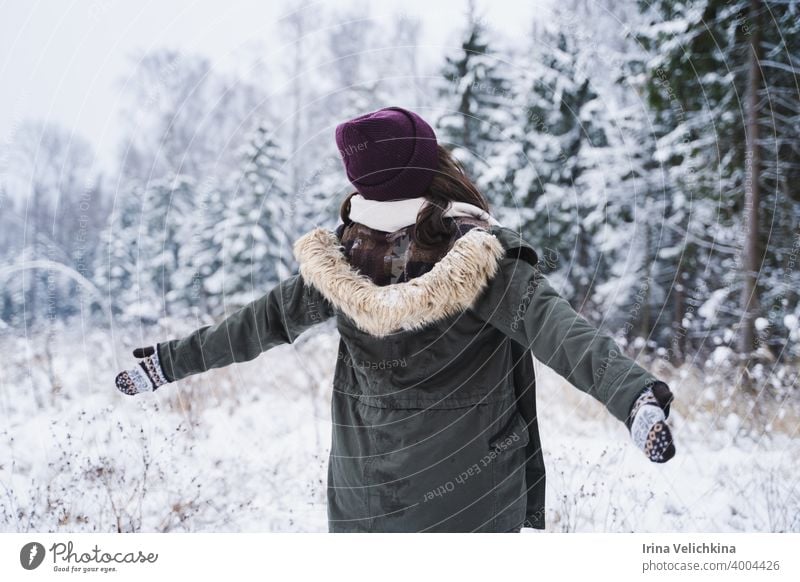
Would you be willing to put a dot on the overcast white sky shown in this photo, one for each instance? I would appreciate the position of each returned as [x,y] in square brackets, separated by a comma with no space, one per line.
[61,60]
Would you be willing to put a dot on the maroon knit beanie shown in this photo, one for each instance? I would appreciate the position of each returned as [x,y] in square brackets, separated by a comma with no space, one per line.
[389,154]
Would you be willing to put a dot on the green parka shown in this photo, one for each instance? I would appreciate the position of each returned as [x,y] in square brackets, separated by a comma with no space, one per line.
[433,409]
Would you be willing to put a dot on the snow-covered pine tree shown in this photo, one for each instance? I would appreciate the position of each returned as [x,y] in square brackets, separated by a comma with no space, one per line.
[253,235]
[717,129]
[165,210]
[200,253]
[636,244]
[124,271]
[475,96]
[779,119]
[686,188]
[559,170]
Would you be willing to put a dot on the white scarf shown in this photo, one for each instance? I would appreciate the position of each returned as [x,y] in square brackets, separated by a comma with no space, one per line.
[396,214]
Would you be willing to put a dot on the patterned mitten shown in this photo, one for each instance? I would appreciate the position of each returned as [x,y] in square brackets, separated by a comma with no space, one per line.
[647,423]
[147,376]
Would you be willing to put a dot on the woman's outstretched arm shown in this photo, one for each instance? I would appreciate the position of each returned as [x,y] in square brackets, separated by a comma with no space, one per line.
[277,317]
[525,307]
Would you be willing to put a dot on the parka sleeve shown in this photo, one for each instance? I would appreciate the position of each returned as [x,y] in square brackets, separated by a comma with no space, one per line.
[522,303]
[277,317]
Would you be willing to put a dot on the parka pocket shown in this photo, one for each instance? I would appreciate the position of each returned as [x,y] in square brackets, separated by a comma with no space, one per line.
[512,436]
[422,403]
[507,456]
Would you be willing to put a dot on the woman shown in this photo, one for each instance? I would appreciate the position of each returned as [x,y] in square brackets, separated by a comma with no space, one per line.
[439,309]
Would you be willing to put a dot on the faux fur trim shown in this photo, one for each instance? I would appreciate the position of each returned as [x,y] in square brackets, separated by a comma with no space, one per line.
[452,285]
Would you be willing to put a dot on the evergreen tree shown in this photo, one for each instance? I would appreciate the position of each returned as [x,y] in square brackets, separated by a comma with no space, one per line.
[118,264]
[558,173]
[779,117]
[720,147]
[475,95]
[255,240]
[200,260]
[142,246]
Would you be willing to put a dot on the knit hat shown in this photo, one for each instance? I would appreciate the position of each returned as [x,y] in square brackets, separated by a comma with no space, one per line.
[389,154]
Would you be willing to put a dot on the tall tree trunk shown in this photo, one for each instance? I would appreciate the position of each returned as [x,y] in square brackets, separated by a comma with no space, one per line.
[297,22]
[679,306]
[750,259]
[37,220]
[644,308]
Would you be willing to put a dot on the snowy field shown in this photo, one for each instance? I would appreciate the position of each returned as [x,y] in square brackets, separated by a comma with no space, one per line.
[245,449]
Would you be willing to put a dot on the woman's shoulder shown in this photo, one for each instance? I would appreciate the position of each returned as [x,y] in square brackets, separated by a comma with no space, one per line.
[515,245]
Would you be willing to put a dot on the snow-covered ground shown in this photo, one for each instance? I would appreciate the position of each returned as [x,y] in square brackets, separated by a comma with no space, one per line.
[245,449]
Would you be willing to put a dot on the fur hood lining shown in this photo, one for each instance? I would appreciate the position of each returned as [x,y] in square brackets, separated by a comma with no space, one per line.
[451,286]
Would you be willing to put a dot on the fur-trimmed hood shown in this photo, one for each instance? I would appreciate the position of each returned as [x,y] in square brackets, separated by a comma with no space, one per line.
[451,286]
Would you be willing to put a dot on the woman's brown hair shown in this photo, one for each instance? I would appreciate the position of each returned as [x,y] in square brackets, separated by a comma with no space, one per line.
[449,184]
